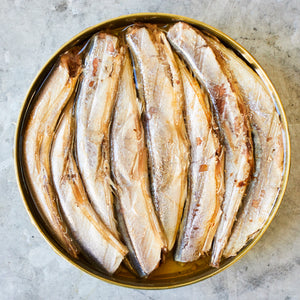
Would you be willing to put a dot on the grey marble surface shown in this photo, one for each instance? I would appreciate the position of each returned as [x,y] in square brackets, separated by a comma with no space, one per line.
[30,31]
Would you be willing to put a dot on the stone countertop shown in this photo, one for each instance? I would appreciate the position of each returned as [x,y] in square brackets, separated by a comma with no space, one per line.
[30,31]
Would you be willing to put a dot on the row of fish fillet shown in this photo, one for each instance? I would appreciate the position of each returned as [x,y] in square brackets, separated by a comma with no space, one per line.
[133,149]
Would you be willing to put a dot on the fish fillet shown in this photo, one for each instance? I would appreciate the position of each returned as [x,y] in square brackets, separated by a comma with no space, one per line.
[160,88]
[233,120]
[202,211]
[269,152]
[141,230]
[95,104]
[54,95]
[97,243]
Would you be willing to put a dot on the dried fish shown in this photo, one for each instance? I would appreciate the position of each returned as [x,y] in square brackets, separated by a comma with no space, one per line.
[233,120]
[54,95]
[160,88]
[95,105]
[138,222]
[269,152]
[202,211]
[97,243]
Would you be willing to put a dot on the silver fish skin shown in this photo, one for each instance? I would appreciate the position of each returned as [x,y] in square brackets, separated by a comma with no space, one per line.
[55,94]
[202,210]
[232,118]
[269,152]
[97,243]
[94,109]
[160,89]
[142,232]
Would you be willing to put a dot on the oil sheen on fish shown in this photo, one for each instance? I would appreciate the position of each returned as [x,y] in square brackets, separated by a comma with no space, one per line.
[233,120]
[160,88]
[141,230]
[55,94]
[95,104]
[202,210]
[97,243]
[269,152]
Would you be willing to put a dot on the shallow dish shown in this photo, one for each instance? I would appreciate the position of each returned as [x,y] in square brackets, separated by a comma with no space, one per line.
[170,274]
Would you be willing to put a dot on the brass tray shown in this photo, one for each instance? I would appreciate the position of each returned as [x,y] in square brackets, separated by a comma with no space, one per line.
[169,274]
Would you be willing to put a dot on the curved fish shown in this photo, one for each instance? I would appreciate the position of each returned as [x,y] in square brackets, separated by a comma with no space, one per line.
[233,120]
[160,88]
[97,243]
[94,109]
[202,210]
[269,152]
[54,95]
[141,231]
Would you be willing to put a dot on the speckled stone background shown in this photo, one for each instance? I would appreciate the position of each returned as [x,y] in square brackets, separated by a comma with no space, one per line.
[30,31]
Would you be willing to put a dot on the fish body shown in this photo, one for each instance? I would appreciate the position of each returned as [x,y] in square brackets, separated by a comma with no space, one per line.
[139,226]
[232,118]
[55,94]
[94,107]
[92,236]
[269,152]
[202,210]
[160,89]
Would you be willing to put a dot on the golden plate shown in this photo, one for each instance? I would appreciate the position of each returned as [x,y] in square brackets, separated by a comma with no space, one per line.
[169,274]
